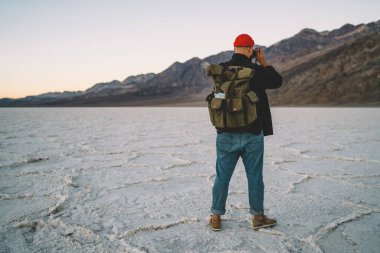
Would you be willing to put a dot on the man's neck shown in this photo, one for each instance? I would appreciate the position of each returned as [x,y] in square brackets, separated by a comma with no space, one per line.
[241,53]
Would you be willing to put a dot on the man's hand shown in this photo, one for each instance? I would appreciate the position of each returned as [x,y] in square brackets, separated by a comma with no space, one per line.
[261,57]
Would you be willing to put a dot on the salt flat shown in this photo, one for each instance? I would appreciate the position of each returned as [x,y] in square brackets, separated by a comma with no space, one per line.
[140,179]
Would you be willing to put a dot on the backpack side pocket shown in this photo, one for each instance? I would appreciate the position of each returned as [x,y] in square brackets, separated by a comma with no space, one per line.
[251,111]
[215,108]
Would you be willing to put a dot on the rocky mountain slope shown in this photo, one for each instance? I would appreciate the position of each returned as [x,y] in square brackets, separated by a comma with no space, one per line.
[336,67]
[349,74]
[309,41]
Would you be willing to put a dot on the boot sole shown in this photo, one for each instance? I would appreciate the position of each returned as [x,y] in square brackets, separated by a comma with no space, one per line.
[265,226]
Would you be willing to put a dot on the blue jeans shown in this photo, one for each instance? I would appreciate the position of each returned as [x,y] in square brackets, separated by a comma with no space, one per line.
[229,147]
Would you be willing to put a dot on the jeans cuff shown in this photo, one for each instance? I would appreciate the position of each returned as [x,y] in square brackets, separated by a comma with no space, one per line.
[220,212]
[251,211]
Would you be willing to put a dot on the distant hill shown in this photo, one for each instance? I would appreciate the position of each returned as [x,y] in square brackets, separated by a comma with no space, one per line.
[346,75]
[339,67]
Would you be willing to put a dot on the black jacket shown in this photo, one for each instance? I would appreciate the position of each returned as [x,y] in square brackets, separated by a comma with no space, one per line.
[264,78]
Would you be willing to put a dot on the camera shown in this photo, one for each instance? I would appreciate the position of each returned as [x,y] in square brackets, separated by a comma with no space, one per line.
[254,53]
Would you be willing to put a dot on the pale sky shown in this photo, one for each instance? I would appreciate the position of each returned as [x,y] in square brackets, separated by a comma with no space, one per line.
[52,45]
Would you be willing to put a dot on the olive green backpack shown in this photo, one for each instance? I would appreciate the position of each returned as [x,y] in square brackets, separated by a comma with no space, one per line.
[232,104]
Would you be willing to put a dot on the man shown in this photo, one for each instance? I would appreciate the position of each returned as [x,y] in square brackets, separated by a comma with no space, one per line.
[247,143]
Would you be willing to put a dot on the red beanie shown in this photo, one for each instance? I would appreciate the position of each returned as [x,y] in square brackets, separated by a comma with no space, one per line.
[243,40]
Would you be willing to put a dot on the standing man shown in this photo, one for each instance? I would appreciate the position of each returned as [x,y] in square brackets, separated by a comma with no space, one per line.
[247,143]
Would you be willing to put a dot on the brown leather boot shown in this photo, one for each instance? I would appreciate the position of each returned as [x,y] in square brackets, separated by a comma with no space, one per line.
[215,222]
[262,221]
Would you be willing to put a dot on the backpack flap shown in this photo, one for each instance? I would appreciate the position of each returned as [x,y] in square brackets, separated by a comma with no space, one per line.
[216,103]
[252,96]
[245,73]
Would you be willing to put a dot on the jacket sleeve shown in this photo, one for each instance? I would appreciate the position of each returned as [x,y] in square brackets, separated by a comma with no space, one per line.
[267,78]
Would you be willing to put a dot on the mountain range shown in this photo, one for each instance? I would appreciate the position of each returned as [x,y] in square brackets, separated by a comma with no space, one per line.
[330,68]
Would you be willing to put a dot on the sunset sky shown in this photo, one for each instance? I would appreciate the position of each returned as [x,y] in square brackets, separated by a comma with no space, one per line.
[51,45]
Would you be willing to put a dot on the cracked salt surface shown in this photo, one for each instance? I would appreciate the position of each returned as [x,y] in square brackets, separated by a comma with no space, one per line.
[140,180]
